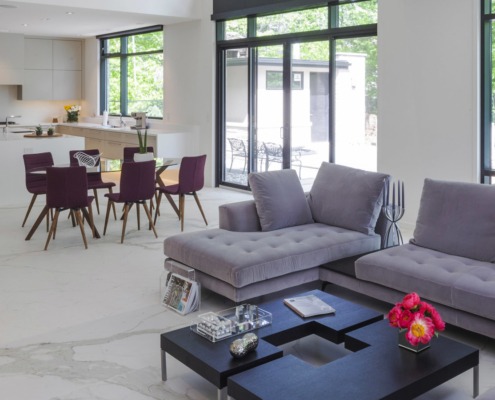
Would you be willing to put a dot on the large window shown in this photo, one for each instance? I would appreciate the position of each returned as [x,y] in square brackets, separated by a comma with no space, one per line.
[488,93]
[296,88]
[132,72]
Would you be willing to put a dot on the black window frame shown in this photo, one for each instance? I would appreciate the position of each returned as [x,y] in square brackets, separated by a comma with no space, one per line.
[123,56]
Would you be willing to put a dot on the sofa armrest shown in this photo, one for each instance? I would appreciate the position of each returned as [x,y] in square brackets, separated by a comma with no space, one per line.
[239,217]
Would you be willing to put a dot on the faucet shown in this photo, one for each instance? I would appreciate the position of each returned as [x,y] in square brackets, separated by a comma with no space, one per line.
[7,121]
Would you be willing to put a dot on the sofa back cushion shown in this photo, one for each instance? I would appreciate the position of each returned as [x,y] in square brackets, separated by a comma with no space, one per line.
[280,199]
[457,218]
[347,197]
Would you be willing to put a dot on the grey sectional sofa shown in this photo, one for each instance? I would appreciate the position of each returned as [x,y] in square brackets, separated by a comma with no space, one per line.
[279,239]
[450,261]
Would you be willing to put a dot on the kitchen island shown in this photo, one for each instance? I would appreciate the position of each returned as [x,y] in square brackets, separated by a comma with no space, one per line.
[13,146]
[111,141]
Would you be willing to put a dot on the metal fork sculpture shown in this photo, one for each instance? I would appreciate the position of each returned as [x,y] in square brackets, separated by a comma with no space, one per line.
[393,211]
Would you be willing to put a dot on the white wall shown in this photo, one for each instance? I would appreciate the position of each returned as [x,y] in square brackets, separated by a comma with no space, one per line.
[428,93]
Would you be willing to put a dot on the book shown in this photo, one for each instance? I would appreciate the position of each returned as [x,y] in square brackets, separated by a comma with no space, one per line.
[308,306]
[181,294]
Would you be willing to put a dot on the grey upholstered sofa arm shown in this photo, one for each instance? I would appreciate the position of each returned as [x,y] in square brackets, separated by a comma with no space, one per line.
[239,217]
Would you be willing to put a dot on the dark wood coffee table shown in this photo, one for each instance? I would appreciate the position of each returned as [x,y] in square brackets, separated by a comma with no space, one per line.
[214,362]
[378,369]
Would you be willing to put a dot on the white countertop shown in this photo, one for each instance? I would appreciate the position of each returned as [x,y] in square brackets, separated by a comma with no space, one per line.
[126,129]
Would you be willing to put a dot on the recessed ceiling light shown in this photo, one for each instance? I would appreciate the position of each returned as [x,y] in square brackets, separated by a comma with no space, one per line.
[7,6]
[25,25]
[69,13]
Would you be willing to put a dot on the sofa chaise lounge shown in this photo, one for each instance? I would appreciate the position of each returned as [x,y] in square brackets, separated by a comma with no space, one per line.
[279,239]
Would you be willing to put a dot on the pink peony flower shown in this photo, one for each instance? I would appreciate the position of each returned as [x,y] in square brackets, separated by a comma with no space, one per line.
[405,319]
[411,300]
[421,330]
[437,320]
[394,316]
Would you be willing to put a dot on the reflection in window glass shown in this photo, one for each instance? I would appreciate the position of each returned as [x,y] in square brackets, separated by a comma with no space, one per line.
[356,91]
[354,14]
[236,29]
[297,21]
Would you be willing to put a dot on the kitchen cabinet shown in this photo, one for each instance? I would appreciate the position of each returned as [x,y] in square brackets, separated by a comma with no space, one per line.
[12,64]
[52,70]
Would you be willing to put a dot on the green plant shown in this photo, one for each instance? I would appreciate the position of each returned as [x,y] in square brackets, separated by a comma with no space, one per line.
[50,131]
[143,141]
[39,130]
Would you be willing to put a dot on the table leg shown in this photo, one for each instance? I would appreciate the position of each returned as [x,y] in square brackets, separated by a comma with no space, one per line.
[164,365]
[476,381]
[222,393]
[37,223]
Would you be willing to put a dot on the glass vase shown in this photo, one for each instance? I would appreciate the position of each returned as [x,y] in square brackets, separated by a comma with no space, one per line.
[72,116]
[404,343]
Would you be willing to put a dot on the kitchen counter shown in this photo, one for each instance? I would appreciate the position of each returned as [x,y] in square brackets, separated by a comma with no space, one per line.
[11,162]
[111,141]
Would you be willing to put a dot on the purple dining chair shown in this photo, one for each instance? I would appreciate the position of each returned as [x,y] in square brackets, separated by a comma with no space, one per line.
[35,183]
[191,180]
[94,178]
[137,185]
[130,151]
[67,189]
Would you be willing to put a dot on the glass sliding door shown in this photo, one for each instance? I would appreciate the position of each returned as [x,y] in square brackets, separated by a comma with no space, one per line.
[356,124]
[310,105]
[236,140]
[269,107]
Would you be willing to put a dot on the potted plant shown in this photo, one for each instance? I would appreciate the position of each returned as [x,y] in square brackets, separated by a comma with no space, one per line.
[50,131]
[39,130]
[143,154]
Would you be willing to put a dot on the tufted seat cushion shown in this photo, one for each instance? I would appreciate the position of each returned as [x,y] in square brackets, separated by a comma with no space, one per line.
[244,258]
[454,281]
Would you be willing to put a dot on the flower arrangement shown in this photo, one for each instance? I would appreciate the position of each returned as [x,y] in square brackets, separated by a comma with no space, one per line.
[72,112]
[421,320]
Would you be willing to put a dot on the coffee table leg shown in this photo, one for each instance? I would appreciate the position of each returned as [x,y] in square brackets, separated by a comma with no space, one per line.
[164,365]
[222,394]
[476,381]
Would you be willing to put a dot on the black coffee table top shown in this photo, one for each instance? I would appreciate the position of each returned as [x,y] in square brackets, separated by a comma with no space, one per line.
[214,362]
[379,369]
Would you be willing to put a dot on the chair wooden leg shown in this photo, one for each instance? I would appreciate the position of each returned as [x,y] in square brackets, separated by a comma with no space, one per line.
[95,193]
[182,203]
[33,198]
[113,205]
[37,223]
[81,227]
[109,206]
[50,232]
[54,226]
[158,201]
[148,213]
[172,203]
[138,216]
[199,206]
[124,221]
[91,220]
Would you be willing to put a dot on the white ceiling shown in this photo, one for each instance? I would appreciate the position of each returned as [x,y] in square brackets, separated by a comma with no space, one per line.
[56,19]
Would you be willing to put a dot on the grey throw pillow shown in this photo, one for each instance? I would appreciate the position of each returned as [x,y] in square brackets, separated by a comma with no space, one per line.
[280,199]
[347,197]
[457,218]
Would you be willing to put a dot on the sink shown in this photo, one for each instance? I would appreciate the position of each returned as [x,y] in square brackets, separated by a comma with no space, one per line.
[21,131]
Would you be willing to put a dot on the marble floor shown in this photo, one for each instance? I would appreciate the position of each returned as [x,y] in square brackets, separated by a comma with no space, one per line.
[81,324]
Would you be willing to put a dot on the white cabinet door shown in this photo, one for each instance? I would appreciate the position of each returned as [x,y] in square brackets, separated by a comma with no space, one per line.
[37,85]
[38,54]
[67,55]
[12,58]
[66,85]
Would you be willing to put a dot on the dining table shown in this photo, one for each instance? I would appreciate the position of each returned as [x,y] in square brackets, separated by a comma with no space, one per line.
[105,165]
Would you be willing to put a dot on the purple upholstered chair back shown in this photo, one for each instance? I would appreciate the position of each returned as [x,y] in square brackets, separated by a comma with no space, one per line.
[66,187]
[130,151]
[192,174]
[33,161]
[137,181]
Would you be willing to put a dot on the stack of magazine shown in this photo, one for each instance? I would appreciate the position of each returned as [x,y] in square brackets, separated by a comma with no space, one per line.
[308,306]
[181,294]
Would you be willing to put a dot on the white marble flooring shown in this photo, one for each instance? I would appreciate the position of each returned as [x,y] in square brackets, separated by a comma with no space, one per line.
[81,324]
